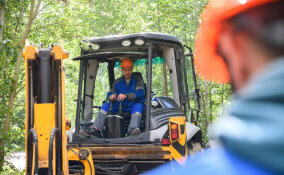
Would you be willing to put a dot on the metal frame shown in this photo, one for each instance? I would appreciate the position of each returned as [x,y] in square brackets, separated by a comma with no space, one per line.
[196,90]
[145,36]
[79,98]
[158,39]
[149,88]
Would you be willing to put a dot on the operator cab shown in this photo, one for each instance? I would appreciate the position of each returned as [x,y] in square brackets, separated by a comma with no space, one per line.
[158,59]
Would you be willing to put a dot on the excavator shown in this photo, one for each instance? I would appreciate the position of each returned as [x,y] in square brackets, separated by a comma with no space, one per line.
[168,126]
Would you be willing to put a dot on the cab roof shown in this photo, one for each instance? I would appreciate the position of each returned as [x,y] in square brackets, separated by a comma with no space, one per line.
[143,35]
[110,47]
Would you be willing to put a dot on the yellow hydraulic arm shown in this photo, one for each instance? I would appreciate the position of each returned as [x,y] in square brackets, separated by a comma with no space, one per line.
[46,123]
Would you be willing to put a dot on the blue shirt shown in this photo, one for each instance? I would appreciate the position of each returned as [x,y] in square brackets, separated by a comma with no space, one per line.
[252,133]
[213,162]
[134,87]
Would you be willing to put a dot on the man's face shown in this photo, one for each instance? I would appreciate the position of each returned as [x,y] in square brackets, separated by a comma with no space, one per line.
[232,49]
[127,72]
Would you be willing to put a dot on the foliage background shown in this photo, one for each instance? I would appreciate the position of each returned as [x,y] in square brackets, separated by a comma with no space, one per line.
[66,22]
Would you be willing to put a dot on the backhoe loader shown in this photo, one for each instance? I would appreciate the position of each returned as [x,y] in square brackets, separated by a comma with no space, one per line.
[168,125]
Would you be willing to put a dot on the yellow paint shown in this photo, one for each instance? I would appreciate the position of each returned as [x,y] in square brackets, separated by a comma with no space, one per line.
[181,140]
[44,122]
[167,149]
[26,109]
[44,114]
[30,53]
[64,127]
[68,124]
[179,121]
[73,154]
[58,53]
[175,154]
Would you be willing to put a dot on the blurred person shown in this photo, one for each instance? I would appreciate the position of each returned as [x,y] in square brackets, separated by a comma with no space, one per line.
[242,42]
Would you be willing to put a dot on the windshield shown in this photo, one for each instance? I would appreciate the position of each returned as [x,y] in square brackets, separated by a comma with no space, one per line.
[98,76]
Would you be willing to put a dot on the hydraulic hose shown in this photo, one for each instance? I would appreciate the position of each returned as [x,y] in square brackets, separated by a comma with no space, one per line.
[54,133]
[32,138]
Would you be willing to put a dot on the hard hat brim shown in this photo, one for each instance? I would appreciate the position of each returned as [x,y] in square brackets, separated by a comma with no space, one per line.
[209,65]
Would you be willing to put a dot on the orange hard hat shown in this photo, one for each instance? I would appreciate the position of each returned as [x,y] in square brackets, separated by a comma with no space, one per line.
[209,65]
[127,63]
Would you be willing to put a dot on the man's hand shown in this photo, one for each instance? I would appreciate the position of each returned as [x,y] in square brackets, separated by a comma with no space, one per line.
[112,97]
[121,97]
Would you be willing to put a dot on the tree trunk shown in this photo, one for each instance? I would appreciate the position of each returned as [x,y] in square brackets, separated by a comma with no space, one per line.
[13,90]
[15,77]
[2,20]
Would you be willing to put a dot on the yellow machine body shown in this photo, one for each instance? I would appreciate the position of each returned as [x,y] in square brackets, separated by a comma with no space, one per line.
[74,154]
[44,121]
[42,118]
[178,147]
[137,153]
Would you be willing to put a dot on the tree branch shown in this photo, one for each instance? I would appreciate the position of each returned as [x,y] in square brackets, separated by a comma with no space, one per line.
[57,23]
[19,18]
[2,21]
[19,21]
[19,89]
[43,7]
[15,77]
[36,10]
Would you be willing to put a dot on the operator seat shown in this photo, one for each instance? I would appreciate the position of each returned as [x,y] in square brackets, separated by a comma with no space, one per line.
[113,125]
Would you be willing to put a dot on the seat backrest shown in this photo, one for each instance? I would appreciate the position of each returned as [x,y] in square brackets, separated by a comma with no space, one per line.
[138,76]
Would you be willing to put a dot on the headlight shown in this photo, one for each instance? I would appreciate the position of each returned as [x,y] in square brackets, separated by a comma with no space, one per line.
[126,43]
[95,46]
[89,46]
[84,46]
[139,41]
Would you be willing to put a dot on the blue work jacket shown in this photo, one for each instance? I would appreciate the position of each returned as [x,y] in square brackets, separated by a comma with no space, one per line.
[213,161]
[251,134]
[135,87]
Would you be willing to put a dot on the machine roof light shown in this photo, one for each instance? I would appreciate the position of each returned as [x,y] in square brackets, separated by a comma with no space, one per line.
[126,43]
[139,41]
[95,46]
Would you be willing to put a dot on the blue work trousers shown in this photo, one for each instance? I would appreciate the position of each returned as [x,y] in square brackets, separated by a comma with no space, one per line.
[136,107]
